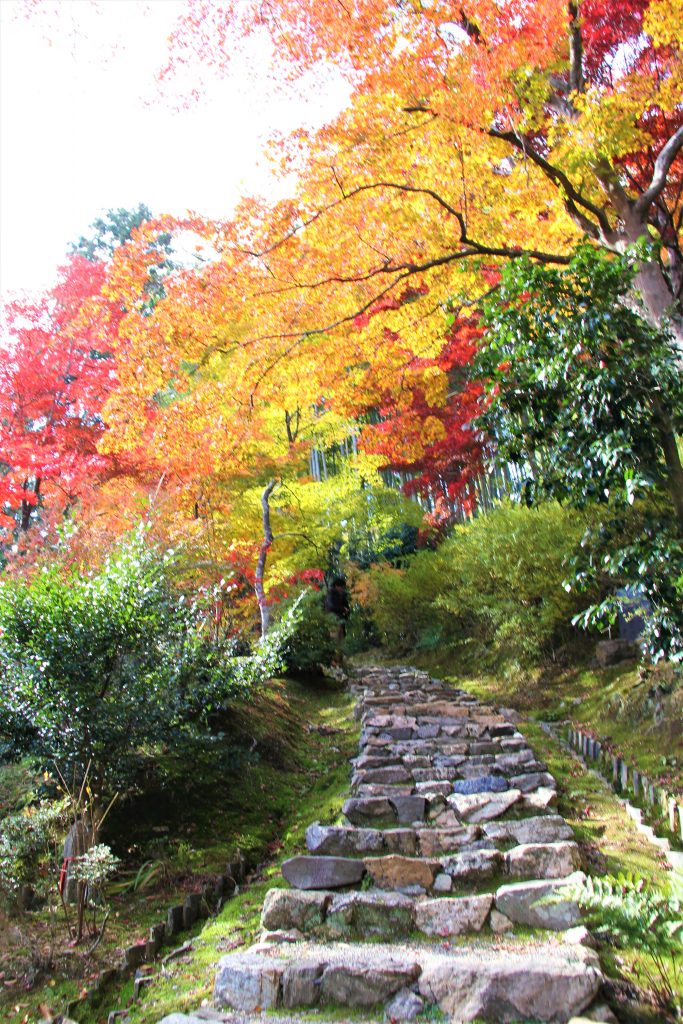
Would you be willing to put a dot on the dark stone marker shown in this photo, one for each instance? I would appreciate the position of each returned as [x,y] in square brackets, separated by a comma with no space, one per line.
[322,872]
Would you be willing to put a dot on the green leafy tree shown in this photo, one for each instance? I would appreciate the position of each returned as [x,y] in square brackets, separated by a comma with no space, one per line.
[114,229]
[588,397]
[104,664]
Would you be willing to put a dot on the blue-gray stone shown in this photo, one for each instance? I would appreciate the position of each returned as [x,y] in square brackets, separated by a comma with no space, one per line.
[481,784]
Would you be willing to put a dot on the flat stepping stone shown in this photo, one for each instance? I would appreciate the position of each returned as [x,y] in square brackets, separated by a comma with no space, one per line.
[389,774]
[343,841]
[543,828]
[540,799]
[551,986]
[483,806]
[294,909]
[442,708]
[380,789]
[363,915]
[532,781]
[322,872]
[428,789]
[409,808]
[543,860]
[396,872]
[436,841]
[473,865]
[516,758]
[541,983]
[361,985]
[364,810]
[434,774]
[400,840]
[480,784]
[524,903]
[447,917]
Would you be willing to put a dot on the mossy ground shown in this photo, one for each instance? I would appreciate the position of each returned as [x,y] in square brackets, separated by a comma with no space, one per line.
[303,736]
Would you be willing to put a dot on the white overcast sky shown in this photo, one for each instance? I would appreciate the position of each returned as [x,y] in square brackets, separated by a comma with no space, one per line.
[79,135]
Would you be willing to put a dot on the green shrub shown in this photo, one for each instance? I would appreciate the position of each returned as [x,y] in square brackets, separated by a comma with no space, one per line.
[401,601]
[588,392]
[310,644]
[28,844]
[494,587]
[106,664]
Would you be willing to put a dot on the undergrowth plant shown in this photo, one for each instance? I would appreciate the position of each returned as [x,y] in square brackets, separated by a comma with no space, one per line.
[493,589]
[639,916]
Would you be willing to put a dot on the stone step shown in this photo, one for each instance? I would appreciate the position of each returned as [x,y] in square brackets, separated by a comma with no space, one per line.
[389,914]
[404,810]
[474,863]
[448,799]
[541,982]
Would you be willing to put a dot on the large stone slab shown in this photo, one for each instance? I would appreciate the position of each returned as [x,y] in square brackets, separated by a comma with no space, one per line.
[248,981]
[386,776]
[365,810]
[300,983]
[434,774]
[539,799]
[322,872]
[342,841]
[532,781]
[396,872]
[515,758]
[473,865]
[387,915]
[382,722]
[400,840]
[361,985]
[284,909]
[480,784]
[436,841]
[542,860]
[427,789]
[444,917]
[442,708]
[542,828]
[551,987]
[526,903]
[381,789]
[483,806]
[409,808]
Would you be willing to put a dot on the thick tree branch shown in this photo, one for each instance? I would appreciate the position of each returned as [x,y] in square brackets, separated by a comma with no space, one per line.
[663,163]
[576,81]
[266,545]
[573,197]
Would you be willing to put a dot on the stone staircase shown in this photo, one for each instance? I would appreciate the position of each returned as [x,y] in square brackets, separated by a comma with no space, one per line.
[444,888]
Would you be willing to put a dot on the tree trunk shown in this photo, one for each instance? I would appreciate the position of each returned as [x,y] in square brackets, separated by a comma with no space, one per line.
[264,607]
[672,459]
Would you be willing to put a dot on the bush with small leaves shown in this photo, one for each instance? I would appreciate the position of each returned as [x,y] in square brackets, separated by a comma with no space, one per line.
[105,665]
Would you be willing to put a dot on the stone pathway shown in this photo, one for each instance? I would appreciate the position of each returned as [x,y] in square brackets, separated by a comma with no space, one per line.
[433,892]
